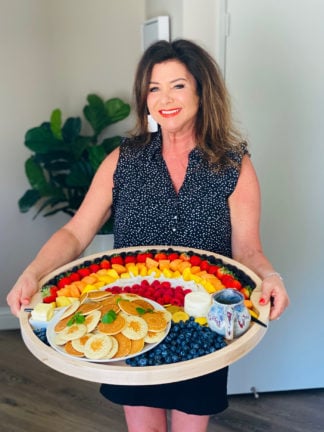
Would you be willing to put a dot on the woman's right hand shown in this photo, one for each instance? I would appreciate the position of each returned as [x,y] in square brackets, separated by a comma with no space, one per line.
[22,292]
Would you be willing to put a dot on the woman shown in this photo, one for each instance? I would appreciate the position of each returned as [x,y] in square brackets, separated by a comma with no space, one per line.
[190,184]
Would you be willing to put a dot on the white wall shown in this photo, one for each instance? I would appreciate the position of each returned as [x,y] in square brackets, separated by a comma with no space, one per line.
[54,53]
[190,19]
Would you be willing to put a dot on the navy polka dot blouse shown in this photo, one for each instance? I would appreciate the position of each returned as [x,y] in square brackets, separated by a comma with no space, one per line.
[148,210]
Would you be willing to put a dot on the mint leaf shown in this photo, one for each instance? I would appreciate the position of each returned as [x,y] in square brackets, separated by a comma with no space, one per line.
[78,318]
[142,311]
[109,317]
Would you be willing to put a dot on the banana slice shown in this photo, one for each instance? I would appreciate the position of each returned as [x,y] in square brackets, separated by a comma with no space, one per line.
[136,327]
[98,346]
[75,331]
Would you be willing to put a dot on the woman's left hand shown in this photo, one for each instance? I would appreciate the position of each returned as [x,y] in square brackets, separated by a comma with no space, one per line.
[274,291]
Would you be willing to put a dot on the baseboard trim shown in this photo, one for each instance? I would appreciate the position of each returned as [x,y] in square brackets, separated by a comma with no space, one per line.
[7,320]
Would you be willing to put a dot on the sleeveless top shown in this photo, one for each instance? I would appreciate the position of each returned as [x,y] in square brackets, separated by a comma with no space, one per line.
[148,211]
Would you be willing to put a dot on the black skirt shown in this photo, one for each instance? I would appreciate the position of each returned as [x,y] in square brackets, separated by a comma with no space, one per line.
[205,395]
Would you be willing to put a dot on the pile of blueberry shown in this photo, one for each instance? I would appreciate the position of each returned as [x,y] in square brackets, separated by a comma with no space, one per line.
[41,334]
[186,340]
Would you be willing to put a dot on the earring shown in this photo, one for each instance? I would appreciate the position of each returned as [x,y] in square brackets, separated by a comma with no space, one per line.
[152,126]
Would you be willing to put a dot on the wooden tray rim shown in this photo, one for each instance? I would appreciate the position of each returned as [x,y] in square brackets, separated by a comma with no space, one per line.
[120,372]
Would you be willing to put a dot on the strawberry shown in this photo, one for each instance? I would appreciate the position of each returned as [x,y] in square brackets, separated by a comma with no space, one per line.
[236,284]
[117,259]
[66,280]
[75,277]
[204,266]
[195,260]
[130,259]
[173,256]
[49,294]
[227,281]
[105,264]
[213,269]
[83,272]
[160,256]
[141,257]
[94,268]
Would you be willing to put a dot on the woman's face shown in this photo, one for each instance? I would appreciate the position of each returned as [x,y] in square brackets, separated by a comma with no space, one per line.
[172,97]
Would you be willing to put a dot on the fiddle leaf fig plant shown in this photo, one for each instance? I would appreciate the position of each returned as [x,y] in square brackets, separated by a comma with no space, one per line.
[64,161]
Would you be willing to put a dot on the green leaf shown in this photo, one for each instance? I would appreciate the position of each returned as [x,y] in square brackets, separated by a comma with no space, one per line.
[80,175]
[71,129]
[95,113]
[111,143]
[116,110]
[56,123]
[41,140]
[35,175]
[78,318]
[109,317]
[96,155]
[28,200]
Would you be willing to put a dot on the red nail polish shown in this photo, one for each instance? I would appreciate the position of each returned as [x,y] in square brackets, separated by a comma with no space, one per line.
[262,301]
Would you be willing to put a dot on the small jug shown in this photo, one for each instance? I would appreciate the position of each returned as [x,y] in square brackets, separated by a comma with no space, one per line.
[228,315]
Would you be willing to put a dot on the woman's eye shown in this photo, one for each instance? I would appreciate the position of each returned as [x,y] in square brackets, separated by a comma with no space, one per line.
[179,86]
[153,89]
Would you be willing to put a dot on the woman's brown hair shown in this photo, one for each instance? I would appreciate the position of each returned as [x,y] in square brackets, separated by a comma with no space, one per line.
[215,132]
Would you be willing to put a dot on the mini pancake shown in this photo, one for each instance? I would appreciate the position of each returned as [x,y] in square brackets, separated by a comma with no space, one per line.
[58,340]
[137,346]
[84,297]
[70,309]
[136,328]
[114,348]
[71,350]
[98,295]
[112,299]
[166,314]
[124,345]
[60,325]
[92,320]
[108,307]
[129,296]
[97,346]
[154,337]
[114,327]
[129,307]
[144,304]
[155,321]
[78,344]
[87,308]
[75,331]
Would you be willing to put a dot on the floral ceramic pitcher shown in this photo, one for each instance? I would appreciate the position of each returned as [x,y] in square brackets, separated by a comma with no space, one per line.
[228,315]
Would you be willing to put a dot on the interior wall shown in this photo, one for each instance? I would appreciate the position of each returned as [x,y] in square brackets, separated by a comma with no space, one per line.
[52,55]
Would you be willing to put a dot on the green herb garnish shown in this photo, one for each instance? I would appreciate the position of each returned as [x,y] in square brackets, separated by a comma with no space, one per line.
[78,318]
[142,311]
[109,317]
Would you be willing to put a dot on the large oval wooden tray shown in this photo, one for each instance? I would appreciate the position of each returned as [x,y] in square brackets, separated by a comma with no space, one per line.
[120,372]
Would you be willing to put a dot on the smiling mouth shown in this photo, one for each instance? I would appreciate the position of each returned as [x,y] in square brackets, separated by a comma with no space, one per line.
[170,113]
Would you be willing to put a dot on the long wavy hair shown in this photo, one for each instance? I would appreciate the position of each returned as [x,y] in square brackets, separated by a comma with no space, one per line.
[216,135]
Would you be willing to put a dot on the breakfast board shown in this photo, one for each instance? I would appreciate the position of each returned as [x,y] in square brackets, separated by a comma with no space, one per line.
[121,371]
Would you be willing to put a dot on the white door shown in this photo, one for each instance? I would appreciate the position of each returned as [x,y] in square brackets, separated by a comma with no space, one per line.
[274,70]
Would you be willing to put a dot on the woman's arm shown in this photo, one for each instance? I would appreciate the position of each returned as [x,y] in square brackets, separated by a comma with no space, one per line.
[246,244]
[69,241]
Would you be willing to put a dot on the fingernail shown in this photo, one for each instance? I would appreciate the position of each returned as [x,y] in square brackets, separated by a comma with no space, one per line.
[262,301]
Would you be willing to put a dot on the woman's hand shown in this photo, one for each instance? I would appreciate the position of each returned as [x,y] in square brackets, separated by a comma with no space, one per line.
[274,291]
[22,292]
